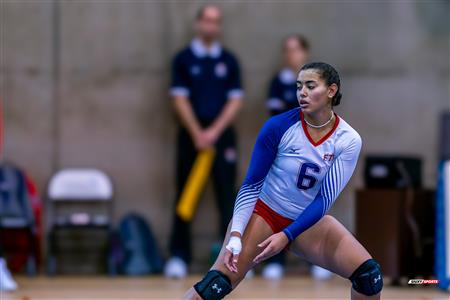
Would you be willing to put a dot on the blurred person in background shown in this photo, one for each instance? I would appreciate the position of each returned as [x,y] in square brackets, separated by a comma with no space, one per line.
[7,283]
[207,95]
[283,88]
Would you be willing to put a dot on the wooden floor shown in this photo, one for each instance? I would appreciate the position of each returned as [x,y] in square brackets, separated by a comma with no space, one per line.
[81,288]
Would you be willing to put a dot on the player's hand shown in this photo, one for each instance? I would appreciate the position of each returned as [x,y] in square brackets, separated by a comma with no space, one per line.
[200,141]
[211,135]
[272,245]
[233,249]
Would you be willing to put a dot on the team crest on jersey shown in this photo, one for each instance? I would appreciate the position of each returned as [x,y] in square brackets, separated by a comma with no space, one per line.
[195,70]
[221,69]
[328,157]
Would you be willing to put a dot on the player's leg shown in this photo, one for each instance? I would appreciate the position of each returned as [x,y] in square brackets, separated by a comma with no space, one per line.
[330,245]
[257,231]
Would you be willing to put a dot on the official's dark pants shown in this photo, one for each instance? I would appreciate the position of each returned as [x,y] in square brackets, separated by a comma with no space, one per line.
[280,258]
[224,176]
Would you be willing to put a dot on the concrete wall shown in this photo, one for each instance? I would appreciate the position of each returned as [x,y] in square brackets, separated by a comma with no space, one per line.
[84,83]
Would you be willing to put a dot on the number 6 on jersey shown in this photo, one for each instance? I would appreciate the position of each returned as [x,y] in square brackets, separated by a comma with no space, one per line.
[305,181]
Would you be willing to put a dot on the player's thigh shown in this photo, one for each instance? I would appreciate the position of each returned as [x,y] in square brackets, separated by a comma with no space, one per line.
[257,231]
[330,245]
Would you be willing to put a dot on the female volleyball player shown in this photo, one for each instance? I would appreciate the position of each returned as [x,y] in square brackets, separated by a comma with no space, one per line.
[301,161]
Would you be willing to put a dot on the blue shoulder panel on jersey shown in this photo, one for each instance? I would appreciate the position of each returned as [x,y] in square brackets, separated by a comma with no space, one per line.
[264,153]
[266,145]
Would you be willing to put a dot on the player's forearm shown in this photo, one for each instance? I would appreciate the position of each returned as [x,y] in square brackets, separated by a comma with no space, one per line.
[308,218]
[228,114]
[264,153]
[243,208]
[186,115]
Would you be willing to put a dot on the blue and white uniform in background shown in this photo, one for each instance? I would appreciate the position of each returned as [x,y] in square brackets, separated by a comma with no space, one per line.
[295,176]
[282,92]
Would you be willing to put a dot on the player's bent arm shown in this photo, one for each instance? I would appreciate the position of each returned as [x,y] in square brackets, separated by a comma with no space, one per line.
[264,153]
[227,115]
[334,182]
[235,97]
[180,91]
[184,111]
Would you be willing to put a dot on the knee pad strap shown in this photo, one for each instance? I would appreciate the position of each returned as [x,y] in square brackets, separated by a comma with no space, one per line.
[367,279]
[214,286]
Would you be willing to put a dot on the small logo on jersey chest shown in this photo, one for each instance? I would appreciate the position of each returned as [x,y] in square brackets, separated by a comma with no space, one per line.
[221,69]
[328,157]
[294,150]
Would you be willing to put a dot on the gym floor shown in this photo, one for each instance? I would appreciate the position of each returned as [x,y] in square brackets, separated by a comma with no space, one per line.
[291,287]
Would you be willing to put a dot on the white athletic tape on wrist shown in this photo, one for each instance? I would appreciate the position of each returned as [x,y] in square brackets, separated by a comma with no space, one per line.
[234,245]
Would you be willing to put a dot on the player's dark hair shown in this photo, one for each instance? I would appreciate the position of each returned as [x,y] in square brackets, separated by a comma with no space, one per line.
[330,75]
[302,41]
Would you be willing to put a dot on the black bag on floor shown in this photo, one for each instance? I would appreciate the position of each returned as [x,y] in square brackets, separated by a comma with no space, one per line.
[134,250]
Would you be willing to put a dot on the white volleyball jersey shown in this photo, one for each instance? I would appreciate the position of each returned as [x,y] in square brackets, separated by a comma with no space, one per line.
[289,171]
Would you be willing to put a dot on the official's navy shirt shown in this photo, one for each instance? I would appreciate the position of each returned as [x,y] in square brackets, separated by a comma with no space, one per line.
[208,77]
[282,92]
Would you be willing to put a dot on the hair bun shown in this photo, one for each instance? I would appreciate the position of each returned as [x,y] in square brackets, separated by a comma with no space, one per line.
[337,99]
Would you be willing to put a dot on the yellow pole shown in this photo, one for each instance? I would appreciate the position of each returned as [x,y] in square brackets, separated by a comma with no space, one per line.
[195,184]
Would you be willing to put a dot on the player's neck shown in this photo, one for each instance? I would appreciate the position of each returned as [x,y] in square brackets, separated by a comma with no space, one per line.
[207,43]
[292,69]
[295,68]
[319,118]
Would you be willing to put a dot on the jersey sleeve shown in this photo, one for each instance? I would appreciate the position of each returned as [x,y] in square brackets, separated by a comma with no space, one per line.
[234,80]
[264,153]
[334,182]
[180,78]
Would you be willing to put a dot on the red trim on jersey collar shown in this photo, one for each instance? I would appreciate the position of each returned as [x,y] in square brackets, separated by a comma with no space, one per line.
[305,129]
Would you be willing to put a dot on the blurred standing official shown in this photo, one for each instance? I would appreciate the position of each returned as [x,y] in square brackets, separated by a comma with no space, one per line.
[283,97]
[207,95]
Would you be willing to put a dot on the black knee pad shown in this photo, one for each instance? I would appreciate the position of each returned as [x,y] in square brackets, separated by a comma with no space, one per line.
[214,286]
[367,279]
